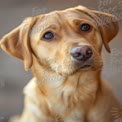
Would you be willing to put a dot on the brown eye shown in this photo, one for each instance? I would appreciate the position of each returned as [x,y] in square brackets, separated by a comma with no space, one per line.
[85,27]
[48,36]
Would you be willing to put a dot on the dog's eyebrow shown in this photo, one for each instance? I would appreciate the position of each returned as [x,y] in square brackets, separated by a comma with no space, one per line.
[41,28]
[77,14]
[88,14]
[52,26]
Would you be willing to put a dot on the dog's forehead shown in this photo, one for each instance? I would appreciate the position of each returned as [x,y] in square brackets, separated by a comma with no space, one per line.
[60,16]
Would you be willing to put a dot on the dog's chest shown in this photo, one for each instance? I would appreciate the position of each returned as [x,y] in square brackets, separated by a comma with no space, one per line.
[64,115]
[58,104]
[67,112]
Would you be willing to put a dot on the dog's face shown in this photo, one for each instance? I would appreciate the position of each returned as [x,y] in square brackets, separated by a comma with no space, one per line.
[64,41]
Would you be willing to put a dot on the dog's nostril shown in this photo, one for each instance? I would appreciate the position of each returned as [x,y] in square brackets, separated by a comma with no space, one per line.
[81,53]
[77,54]
[89,52]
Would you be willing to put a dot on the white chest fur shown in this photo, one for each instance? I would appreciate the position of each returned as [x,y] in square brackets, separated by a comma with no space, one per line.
[55,104]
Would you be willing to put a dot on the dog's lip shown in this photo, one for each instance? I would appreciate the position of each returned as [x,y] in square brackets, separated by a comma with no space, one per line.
[85,66]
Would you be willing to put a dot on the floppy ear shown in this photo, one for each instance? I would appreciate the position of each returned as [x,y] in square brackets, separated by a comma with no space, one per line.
[109,27]
[17,43]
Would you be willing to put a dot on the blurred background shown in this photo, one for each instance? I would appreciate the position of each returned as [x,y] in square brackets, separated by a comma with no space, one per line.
[13,78]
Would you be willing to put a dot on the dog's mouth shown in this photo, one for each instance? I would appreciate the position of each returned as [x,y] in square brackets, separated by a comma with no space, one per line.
[85,66]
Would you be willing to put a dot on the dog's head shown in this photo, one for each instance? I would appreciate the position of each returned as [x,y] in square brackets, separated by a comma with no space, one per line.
[64,41]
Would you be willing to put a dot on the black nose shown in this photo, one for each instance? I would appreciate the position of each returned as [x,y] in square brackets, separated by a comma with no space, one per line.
[81,53]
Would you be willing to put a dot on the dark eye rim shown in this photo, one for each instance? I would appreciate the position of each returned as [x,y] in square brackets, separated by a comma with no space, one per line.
[88,30]
[46,39]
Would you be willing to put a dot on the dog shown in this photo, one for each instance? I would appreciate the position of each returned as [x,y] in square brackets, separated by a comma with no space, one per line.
[63,50]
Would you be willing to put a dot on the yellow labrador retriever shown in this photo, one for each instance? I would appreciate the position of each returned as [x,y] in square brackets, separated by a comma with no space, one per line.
[63,50]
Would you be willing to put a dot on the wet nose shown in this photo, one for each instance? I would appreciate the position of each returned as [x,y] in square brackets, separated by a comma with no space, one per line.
[81,53]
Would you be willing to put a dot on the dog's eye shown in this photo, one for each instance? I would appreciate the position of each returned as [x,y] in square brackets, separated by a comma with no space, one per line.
[48,36]
[85,27]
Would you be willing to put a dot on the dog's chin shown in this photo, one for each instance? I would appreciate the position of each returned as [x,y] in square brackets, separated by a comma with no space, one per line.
[73,70]
[75,67]
[80,69]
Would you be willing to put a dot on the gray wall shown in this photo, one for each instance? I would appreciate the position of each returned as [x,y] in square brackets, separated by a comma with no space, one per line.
[12,75]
